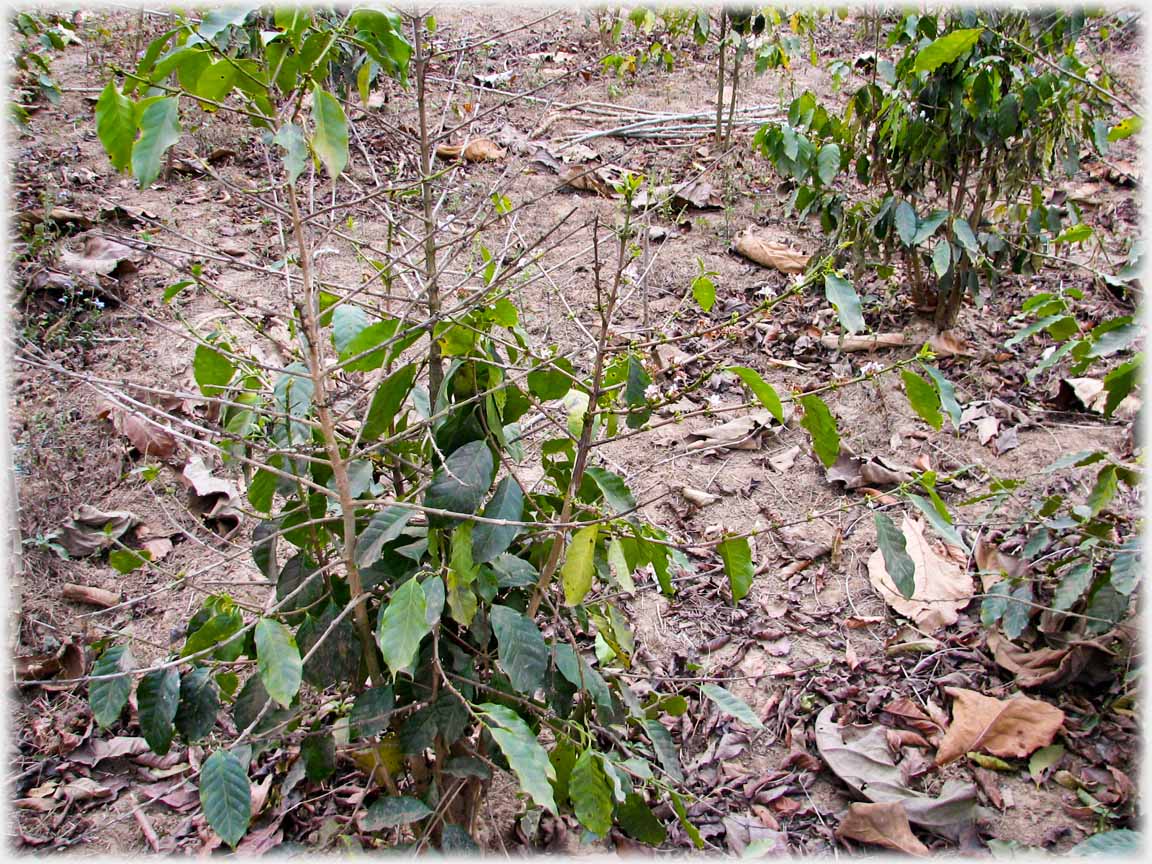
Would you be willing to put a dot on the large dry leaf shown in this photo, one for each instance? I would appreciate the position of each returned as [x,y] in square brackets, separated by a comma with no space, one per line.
[764,251]
[99,749]
[89,530]
[743,433]
[948,344]
[881,825]
[599,180]
[217,501]
[1090,393]
[148,438]
[854,472]
[942,587]
[784,460]
[476,150]
[1010,728]
[103,257]
[698,195]
[866,766]
[1050,667]
[994,565]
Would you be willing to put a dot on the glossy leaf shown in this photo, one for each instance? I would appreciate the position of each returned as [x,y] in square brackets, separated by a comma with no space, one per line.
[386,402]
[385,527]
[330,140]
[160,127]
[107,696]
[521,649]
[590,793]
[821,425]
[844,299]
[489,540]
[732,704]
[527,759]
[225,796]
[897,562]
[737,558]
[393,811]
[278,660]
[116,125]
[402,626]
[199,704]
[579,565]
[616,491]
[157,698]
[763,391]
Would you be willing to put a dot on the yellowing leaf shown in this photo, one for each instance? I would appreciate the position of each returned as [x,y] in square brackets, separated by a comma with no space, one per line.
[579,565]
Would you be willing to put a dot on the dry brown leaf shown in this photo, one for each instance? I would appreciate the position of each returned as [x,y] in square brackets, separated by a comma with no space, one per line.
[1009,728]
[87,594]
[589,180]
[103,257]
[1050,667]
[476,150]
[994,565]
[948,344]
[59,215]
[898,739]
[144,435]
[697,497]
[89,530]
[768,253]
[743,433]
[216,500]
[784,460]
[99,749]
[913,715]
[942,587]
[881,825]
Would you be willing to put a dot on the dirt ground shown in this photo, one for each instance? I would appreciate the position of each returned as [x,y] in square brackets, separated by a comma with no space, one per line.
[806,636]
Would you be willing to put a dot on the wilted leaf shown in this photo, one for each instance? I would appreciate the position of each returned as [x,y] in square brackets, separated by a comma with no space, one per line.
[739,434]
[881,825]
[1003,727]
[941,586]
[1051,667]
[217,500]
[102,257]
[476,150]
[89,530]
[768,253]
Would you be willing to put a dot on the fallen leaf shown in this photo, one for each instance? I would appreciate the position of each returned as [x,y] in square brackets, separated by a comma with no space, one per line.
[101,256]
[911,714]
[92,596]
[855,472]
[942,587]
[599,180]
[698,195]
[89,530]
[990,786]
[1005,441]
[743,433]
[742,831]
[881,825]
[1003,727]
[59,215]
[1089,394]
[948,344]
[986,429]
[758,247]
[898,739]
[1052,667]
[697,497]
[99,749]
[217,501]
[994,565]
[785,459]
[866,766]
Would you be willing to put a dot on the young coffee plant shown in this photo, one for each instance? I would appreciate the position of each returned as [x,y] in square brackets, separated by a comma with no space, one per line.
[959,131]
[37,35]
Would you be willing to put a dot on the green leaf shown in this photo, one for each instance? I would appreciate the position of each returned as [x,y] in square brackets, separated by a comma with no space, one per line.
[704,292]
[1075,234]
[926,227]
[1072,586]
[402,626]
[521,649]
[579,565]
[962,231]
[942,525]
[490,540]
[330,140]
[348,322]
[389,396]
[763,391]
[527,759]
[1104,490]
[225,796]
[460,484]
[821,425]
[906,222]
[576,669]
[828,163]
[897,562]
[336,659]
[1126,569]
[461,574]
[941,258]
[682,814]
[591,795]
[616,491]
[291,138]
[1043,759]
[160,125]
[199,704]
[923,398]
[634,389]
[844,299]
[116,125]
[547,383]
[1120,382]
[385,527]
[946,49]
[1125,129]
[737,557]
[391,812]
[946,393]
[1121,842]
[639,822]
[319,754]
[108,696]
[157,698]
[278,659]
[216,81]
[212,370]
[369,715]
[732,704]
[665,749]
[126,560]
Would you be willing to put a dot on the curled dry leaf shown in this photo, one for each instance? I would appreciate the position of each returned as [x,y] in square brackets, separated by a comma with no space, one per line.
[476,150]
[1003,727]
[102,257]
[994,565]
[758,247]
[599,180]
[89,530]
[785,459]
[59,215]
[743,433]
[1088,393]
[855,472]
[698,195]
[866,766]
[881,825]
[1052,668]
[942,587]
[216,500]
[697,497]
[949,344]
[871,342]
[145,436]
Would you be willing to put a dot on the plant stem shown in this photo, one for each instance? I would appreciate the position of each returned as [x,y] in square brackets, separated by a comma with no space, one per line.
[310,320]
[720,76]
[431,281]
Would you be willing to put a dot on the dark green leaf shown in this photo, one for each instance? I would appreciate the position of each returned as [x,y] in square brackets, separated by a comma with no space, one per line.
[522,651]
[638,821]
[225,796]
[732,704]
[319,755]
[941,258]
[591,795]
[391,812]
[906,222]
[897,562]
[945,528]
[616,492]
[291,138]
[665,749]
[157,698]
[946,393]
[490,540]
[577,671]
[386,402]
[336,660]
[821,425]
[461,483]
[1120,382]
[682,814]
[107,696]
[844,299]
[369,715]
[1104,490]
[828,164]
[963,232]
[763,391]
[1073,584]
[385,527]
[199,703]
[1126,567]
[923,398]
[527,759]
[634,389]
[1122,841]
